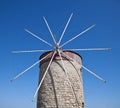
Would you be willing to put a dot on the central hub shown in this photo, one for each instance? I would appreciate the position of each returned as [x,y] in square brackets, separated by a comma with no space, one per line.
[57,46]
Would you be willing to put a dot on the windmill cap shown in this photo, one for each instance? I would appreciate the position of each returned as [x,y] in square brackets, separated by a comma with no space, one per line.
[71,55]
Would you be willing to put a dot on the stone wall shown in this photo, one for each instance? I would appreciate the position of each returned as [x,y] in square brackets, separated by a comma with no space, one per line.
[55,91]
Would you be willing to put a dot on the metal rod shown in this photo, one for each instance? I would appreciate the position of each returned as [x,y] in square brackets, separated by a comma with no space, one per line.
[49,30]
[30,51]
[87,70]
[94,74]
[38,38]
[89,49]
[44,75]
[65,28]
[29,68]
[77,36]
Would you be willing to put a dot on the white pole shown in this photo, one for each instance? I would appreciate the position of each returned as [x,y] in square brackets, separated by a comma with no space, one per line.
[49,30]
[65,28]
[30,51]
[44,75]
[89,49]
[77,36]
[29,68]
[87,69]
[38,38]
[94,74]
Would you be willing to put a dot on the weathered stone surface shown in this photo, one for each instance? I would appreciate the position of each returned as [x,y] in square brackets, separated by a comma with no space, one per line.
[55,91]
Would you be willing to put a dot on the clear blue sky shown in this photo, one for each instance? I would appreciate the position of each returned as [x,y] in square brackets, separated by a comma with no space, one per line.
[16,15]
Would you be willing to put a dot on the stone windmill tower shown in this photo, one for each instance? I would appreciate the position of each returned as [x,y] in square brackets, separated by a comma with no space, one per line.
[60,79]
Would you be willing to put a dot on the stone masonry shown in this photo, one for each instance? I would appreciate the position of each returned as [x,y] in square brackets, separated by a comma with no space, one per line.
[55,91]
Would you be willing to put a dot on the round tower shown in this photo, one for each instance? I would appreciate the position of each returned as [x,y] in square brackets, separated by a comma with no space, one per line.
[59,90]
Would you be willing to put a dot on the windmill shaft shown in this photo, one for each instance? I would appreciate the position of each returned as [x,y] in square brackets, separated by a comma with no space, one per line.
[30,51]
[44,75]
[38,38]
[86,68]
[28,68]
[94,74]
[77,36]
[49,30]
[89,49]
[65,28]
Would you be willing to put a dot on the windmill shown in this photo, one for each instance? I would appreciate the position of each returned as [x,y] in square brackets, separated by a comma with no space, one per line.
[60,82]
